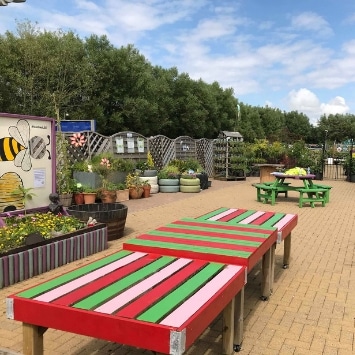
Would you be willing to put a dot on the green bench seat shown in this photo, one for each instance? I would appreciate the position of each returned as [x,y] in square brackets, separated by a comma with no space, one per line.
[313,195]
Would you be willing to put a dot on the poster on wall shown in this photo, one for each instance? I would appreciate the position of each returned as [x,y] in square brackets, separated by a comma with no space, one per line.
[27,160]
[140,145]
[119,145]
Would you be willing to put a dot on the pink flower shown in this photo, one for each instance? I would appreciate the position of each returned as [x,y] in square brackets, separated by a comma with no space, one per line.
[77,140]
[105,162]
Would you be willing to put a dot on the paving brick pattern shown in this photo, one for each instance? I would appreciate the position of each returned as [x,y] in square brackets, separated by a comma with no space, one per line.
[312,309]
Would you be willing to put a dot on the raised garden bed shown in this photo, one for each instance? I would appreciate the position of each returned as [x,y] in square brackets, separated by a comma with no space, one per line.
[25,262]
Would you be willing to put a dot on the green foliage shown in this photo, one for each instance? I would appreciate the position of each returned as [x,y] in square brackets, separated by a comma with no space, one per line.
[19,227]
[49,73]
[26,193]
[185,165]
[169,172]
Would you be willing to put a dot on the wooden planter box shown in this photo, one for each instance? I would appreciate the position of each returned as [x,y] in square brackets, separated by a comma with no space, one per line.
[28,261]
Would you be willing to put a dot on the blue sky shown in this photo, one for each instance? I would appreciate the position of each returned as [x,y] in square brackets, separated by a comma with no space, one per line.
[293,55]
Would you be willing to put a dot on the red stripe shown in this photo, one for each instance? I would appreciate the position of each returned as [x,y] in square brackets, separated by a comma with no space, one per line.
[104,281]
[266,216]
[197,243]
[140,304]
[238,228]
[225,259]
[256,239]
[231,215]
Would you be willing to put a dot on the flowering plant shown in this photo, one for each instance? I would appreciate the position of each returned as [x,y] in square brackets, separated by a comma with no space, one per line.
[17,228]
[103,169]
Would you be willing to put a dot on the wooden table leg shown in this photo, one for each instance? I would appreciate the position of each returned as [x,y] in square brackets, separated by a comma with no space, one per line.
[266,274]
[272,268]
[287,251]
[228,328]
[233,318]
[32,339]
[238,320]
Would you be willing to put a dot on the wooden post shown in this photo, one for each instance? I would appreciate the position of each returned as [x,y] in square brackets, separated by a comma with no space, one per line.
[32,339]
[287,251]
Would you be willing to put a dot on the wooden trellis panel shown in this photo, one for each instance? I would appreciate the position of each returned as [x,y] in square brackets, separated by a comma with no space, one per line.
[205,154]
[162,150]
[131,145]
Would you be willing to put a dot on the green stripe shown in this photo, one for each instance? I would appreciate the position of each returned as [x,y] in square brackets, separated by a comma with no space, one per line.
[177,246]
[211,214]
[179,295]
[208,238]
[214,223]
[274,219]
[100,297]
[45,287]
[245,226]
[239,218]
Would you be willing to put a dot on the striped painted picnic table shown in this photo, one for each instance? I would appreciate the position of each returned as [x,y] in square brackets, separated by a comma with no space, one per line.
[150,301]
[284,222]
[213,241]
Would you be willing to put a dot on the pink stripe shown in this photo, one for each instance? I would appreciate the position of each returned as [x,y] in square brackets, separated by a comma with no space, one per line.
[223,214]
[282,222]
[252,217]
[133,292]
[194,303]
[83,280]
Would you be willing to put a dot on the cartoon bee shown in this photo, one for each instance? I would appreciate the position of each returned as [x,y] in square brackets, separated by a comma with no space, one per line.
[19,147]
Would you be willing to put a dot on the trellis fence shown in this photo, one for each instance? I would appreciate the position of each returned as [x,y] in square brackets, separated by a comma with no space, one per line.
[131,145]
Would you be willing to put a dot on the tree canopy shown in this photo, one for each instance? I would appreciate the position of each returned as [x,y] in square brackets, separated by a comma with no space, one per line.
[53,73]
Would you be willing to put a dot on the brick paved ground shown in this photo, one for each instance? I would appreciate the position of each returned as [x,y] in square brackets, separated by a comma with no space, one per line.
[312,309]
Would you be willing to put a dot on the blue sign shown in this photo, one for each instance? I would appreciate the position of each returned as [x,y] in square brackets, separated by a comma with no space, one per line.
[78,125]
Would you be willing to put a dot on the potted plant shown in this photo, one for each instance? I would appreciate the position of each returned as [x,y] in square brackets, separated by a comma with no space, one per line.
[89,194]
[146,189]
[134,185]
[108,193]
[150,169]
[78,193]
[189,182]
[122,193]
[168,179]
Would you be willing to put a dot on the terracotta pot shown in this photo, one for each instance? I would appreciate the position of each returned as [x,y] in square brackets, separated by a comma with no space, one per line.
[135,193]
[122,195]
[108,196]
[79,198]
[146,191]
[89,197]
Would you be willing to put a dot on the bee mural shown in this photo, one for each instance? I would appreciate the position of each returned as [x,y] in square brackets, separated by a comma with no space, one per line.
[9,182]
[19,147]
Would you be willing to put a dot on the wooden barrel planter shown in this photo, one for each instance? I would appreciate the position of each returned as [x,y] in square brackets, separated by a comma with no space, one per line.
[114,215]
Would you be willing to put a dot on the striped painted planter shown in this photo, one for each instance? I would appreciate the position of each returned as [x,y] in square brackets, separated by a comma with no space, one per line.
[25,262]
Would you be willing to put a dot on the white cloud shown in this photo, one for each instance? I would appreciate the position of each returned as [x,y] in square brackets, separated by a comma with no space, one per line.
[310,21]
[304,100]
[336,105]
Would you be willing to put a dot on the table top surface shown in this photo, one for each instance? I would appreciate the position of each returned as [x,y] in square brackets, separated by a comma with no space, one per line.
[148,293]
[284,222]
[239,244]
[300,177]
